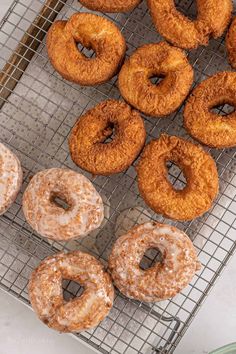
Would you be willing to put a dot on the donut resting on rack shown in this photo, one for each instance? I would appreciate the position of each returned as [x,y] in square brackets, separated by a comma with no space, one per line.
[213,17]
[87,140]
[93,32]
[165,278]
[198,167]
[81,313]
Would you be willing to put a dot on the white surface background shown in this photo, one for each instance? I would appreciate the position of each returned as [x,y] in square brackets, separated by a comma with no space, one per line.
[214,326]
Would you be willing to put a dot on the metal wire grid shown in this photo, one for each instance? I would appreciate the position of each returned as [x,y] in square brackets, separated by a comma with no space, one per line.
[35,122]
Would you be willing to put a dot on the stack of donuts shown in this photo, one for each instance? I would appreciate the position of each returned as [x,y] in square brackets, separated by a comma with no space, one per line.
[108,138]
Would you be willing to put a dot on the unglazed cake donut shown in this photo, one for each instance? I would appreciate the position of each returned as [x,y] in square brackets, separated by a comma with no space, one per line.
[164,279]
[204,125]
[150,60]
[198,167]
[110,5]
[84,211]
[80,313]
[213,17]
[231,43]
[10,178]
[93,32]
[87,138]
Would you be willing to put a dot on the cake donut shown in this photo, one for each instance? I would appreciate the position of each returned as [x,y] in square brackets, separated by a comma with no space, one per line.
[10,178]
[212,19]
[80,313]
[231,43]
[164,279]
[159,59]
[87,140]
[83,211]
[110,5]
[199,170]
[208,127]
[93,32]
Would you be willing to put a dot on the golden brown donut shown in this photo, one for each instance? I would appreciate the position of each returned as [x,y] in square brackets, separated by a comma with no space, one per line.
[164,279]
[211,128]
[151,60]
[199,170]
[212,19]
[87,140]
[231,43]
[91,31]
[110,5]
[80,313]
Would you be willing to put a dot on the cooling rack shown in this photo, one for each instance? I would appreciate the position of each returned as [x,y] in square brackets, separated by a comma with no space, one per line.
[38,110]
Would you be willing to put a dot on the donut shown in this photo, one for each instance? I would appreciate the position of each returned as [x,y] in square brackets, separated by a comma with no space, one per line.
[231,43]
[164,279]
[82,213]
[110,5]
[10,178]
[207,127]
[150,60]
[80,313]
[212,19]
[87,140]
[93,32]
[199,170]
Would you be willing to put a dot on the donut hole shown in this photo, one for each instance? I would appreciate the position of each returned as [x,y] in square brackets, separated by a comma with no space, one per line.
[175,176]
[223,109]
[71,289]
[150,257]
[87,52]
[60,201]
[156,79]
[187,9]
[108,133]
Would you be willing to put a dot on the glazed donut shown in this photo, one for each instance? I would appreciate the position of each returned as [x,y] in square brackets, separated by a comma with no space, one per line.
[212,19]
[163,280]
[91,31]
[86,141]
[151,60]
[84,211]
[110,5]
[80,313]
[211,128]
[10,178]
[231,43]
[198,167]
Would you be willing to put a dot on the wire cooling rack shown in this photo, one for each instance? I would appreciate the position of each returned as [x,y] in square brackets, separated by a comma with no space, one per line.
[38,110]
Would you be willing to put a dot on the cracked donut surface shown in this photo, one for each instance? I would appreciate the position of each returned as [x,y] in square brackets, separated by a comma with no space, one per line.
[82,312]
[162,280]
[87,141]
[93,32]
[213,16]
[152,60]
[198,167]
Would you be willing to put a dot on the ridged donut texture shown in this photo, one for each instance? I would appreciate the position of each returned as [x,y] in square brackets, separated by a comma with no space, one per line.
[10,178]
[231,43]
[110,5]
[84,213]
[199,170]
[80,313]
[164,279]
[211,128]
[87,140]
[213,17]
[151,60]
[91,31]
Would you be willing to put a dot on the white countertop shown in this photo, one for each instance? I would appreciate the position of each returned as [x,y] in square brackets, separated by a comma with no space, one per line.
[214,326]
